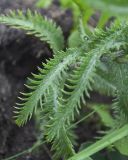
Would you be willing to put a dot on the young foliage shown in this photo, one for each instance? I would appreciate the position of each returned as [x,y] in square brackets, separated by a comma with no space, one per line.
[78,83]
[34,24]
[47,78]
[63,84]
[115,7]
[42,3]
[107,8]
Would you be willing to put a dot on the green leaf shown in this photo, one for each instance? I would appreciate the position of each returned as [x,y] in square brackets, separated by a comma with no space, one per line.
[101,144]
[73,39]
[114,7]
[88,158]
[107,9]
[80,82]
[35,24]
[122,146]
[104,87]
[43,3]
[41,83]
[105,115]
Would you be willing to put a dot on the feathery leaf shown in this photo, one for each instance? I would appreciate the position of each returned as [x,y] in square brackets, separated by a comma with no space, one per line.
[37,25]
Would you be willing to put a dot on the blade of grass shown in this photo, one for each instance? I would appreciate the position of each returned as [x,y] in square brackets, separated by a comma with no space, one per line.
[101,144]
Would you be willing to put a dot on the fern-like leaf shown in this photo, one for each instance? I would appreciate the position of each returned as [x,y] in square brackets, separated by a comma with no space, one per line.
[78,69]
[81,79]
[35,24]
[80,82]
[104,87]
[65,144]
[40,85]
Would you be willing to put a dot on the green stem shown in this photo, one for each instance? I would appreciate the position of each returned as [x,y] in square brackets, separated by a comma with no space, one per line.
[101,144]
[17,155]
[82,119]
[29,150]
[39,142]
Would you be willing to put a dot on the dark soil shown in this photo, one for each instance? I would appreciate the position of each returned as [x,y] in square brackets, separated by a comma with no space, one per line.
[19,56]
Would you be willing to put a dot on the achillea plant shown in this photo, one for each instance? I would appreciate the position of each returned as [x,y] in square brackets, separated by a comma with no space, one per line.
[61,86]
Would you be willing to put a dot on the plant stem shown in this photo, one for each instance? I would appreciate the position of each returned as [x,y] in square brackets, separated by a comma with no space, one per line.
[17,155]
[82,119]
[39,142]
[101,144]
[29,150]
